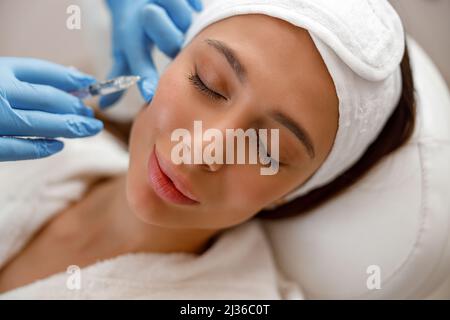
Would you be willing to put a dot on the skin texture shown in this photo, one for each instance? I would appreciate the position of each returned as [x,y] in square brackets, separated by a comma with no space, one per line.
[307,96]
[124,214]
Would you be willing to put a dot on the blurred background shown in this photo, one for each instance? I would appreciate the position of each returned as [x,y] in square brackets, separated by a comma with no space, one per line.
[38,28]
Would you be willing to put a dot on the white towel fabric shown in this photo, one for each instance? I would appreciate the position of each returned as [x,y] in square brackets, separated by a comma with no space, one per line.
[239,265]
[362,44]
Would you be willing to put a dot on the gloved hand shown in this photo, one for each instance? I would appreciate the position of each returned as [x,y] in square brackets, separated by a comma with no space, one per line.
[138,25]
[33,104]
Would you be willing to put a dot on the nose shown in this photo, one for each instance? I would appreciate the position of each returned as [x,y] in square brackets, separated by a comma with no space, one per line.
[196,149]
[214,167]
[213,145]
[213,154]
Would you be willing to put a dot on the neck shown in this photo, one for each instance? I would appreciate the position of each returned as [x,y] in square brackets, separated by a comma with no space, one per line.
[117,225]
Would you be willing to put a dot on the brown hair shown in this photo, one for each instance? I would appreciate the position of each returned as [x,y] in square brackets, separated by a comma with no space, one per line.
[396,132]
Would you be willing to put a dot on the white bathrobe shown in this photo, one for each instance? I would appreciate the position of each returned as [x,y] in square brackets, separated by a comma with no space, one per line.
[239,265]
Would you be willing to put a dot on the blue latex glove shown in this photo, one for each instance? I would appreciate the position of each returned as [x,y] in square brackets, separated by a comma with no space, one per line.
[138,25]
[33,103]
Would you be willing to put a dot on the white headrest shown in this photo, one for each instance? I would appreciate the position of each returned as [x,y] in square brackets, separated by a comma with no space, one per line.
[397,217]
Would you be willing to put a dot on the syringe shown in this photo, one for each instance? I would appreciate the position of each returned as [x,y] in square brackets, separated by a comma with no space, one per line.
[107,87]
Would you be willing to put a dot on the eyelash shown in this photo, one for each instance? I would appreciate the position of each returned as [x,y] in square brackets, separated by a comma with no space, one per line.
[198,83]
[280,164]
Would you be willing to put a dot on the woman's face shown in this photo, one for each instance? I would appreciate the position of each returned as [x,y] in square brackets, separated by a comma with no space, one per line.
[244,72]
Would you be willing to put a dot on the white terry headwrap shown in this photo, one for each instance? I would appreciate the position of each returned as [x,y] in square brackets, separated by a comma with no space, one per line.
[362,44]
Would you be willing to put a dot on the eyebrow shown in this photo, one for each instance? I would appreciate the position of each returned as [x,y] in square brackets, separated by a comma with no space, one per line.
[231,57]
[238,68]
[298,131]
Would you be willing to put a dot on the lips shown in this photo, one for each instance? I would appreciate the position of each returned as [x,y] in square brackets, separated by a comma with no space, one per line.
[167,184]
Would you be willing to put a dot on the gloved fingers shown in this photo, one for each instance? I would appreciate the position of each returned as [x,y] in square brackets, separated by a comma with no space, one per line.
[120,68]
[48,73]
[116,5]
[14,149]
[30,123]
[28,96]
[179,11]
[160,28]
[196,4]
[137,52]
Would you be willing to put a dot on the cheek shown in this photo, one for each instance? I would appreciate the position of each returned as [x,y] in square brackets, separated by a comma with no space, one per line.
[154,125]
[173,106]
[156,122]
[244,192]
[255,191]
[139,148]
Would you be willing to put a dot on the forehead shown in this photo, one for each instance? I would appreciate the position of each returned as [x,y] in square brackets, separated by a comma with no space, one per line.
[269,37]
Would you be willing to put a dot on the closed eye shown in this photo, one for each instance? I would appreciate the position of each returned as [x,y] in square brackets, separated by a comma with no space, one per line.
[262,148]
[198,83]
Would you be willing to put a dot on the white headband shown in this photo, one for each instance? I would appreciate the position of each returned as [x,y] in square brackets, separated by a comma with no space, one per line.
[362,44]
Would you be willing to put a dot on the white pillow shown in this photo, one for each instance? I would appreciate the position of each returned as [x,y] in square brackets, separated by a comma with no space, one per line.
[397,218]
